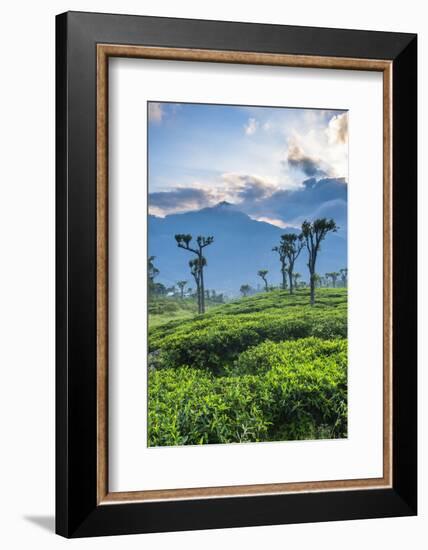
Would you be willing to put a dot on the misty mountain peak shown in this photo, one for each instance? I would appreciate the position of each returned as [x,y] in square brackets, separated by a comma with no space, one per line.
[221,208]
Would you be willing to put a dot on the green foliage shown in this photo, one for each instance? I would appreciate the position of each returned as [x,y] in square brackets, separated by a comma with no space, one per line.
[215,340]
[274,391]
[170,305]
[162,310]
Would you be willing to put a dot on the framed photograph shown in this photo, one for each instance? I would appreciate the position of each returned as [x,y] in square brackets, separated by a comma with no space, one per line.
[236,274]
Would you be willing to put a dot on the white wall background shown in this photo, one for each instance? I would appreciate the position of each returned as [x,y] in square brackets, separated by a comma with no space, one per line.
[27,273]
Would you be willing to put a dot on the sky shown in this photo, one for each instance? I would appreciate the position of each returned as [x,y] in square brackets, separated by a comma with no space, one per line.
[278,165]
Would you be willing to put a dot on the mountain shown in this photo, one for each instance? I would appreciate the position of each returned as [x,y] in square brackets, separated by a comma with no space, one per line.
[241,247]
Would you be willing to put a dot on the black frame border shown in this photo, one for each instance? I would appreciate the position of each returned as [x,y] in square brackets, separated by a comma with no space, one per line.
[77,512]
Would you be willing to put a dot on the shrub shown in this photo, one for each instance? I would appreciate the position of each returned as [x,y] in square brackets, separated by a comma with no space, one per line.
[216,342]
[274,391]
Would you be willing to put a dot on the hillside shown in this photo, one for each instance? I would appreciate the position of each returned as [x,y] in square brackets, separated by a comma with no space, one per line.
[263,368]
[241,247]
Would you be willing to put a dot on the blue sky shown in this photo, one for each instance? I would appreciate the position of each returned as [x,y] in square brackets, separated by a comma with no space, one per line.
[276,164]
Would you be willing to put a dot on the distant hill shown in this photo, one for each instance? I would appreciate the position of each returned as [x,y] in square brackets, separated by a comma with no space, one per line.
[241,247]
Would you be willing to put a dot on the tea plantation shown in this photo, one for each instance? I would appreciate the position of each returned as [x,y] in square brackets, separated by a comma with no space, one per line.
[264,368]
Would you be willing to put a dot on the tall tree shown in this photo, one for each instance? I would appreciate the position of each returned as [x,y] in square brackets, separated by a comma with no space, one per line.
[283,260]
[195,270]
[262,274]
[317,280]
[333,275]
[296,277]
[344,276]
[292,245]
[152,273]
[245,290]
[314,233]
[183,241]
[181,285]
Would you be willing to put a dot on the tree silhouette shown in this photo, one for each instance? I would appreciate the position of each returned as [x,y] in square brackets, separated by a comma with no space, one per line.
[152,273]
[296,277]
[317,280]
[292,245]
[196,265]
[245,290]
[283,260]
[262,273]
[344,276]
[183,241]
[313,233]
[333,276]
[181,285]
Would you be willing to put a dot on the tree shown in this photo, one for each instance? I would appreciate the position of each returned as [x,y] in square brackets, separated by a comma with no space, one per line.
[262,273]
[152,273]
[181,285]
[292,245]
[196,265]
[344,276]
[317,280]
[183,241]
[314,233]
[245,290]
[296,277]
[333,276]
[283,260]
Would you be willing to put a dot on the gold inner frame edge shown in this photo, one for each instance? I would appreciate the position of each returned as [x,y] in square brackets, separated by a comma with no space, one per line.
[104,52]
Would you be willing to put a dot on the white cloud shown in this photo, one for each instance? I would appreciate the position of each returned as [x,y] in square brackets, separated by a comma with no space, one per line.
[235,188]
[272,221]
[310,166]
[156,112]
[337,130]
[243,187]
[324,143]
[251,126]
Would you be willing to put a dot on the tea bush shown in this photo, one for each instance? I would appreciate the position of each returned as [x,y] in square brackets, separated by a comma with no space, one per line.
[273,391]
[215,342]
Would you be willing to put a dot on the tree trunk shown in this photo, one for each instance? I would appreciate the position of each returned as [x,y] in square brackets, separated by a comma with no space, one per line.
[284,280]
[198,296]
[202,289]
[312,281]
[290,279]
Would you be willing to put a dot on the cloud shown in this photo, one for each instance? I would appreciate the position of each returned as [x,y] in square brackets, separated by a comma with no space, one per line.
[337,129]
[251,126]
[180,199]
[325,197]
[310,166]
[261,199]
[235,188]
[272,221]
[156,112]
[245,187]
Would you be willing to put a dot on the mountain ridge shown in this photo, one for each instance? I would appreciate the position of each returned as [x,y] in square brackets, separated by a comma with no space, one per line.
[241,247]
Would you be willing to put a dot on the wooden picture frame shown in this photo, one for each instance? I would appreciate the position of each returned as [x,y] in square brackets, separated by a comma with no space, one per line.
[85,506]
